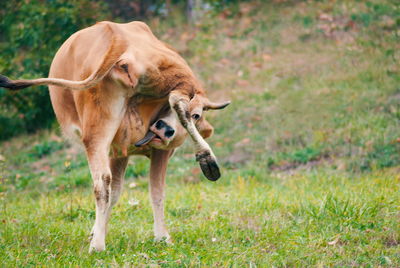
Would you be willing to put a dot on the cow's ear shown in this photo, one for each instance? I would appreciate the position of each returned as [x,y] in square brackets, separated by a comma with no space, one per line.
[209,105]
[124,71]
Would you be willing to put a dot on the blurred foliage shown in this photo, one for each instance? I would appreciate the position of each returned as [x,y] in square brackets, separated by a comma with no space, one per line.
[32,31]
[45,148]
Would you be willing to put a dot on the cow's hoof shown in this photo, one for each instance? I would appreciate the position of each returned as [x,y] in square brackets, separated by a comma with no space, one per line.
[96,245]
[165,238]
[208,165]
[96,248]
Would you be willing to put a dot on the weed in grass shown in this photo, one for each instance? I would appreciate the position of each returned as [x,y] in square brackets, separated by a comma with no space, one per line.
[45,148]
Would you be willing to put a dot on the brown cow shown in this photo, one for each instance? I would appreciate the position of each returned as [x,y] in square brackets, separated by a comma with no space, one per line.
[113,86]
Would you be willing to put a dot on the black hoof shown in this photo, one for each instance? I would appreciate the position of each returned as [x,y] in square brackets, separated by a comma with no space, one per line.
[208,165]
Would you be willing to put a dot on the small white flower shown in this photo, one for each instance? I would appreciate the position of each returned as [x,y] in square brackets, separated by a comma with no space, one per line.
[132,185]
[133,202]
[213,239]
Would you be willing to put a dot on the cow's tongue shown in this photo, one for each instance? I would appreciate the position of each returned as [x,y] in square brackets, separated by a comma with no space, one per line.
[149,136]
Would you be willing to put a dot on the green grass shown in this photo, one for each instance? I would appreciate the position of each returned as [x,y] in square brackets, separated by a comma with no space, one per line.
[309,149]
[312,218]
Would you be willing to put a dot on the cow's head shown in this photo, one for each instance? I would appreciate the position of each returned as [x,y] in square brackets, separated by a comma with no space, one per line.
[198,105]
[168,133]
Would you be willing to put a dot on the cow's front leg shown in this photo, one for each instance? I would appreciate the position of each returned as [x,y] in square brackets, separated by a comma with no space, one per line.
[158,169]
[204,154]
[118,167]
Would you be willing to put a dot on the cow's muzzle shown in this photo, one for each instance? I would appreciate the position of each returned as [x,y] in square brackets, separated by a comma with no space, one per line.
[159,132]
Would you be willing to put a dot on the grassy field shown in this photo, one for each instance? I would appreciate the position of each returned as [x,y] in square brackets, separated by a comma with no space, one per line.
[310,150]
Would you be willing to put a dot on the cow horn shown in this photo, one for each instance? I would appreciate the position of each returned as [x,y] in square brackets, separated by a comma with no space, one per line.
[209,105]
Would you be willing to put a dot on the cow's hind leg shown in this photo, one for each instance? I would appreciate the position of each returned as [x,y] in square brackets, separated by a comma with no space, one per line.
[107,177]
[159,162]
[118,167]
[101,191]
[99,129]
[98,159]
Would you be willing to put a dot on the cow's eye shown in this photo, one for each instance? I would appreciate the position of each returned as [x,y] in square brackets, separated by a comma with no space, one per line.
[196,116]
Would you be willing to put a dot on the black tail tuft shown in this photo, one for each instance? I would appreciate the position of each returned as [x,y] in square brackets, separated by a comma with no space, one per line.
[4,81]
[13,85]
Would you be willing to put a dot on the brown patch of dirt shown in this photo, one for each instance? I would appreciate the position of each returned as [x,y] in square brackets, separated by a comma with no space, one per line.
[292,167]
[339,28]
[392,241]
[237,157]
[300,63]
[248,223]
[194,178]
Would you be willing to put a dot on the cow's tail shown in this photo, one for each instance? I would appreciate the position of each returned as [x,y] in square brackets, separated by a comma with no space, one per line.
[115,50]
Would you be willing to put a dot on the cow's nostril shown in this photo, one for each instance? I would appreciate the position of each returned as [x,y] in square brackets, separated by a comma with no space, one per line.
[160,124]
[169,133]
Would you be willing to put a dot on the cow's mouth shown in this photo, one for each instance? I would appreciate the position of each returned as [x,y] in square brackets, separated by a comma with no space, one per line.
[149,137]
